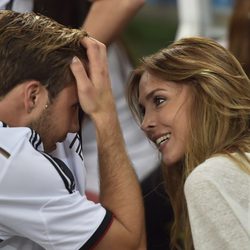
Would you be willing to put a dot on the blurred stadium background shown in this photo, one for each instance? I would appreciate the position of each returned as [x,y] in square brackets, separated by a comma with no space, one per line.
[155,26]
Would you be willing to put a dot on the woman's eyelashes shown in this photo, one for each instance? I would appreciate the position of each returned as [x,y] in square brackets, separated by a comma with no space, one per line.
[142,110]
[158,100]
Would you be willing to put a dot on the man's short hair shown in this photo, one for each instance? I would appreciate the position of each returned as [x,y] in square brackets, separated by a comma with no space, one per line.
[34,47]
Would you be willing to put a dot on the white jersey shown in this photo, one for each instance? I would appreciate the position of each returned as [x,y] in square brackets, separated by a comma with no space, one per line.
[218,199]
[40,207]
[17,5]
[70,152]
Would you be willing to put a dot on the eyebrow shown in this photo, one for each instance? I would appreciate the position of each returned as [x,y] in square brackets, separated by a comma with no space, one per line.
[150,94]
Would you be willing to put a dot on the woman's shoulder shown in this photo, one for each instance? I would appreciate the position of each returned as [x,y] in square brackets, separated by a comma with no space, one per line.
[218,174]
[218,166]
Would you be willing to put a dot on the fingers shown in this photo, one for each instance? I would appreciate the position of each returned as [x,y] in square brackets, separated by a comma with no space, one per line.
[85,88]
[98,66]
[94,89]
[79,73]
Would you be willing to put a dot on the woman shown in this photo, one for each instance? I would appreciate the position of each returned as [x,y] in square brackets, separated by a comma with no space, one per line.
[192,100]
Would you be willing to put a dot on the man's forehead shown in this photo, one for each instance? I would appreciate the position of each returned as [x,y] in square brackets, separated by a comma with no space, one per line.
[9,15]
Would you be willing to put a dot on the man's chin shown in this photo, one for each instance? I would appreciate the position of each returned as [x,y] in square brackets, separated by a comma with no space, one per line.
[63,139]
[50,148]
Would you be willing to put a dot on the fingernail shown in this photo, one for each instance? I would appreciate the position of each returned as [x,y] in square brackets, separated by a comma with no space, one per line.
[75,59]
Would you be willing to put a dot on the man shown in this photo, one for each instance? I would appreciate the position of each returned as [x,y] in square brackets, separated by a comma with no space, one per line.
[41,88]
[92,15]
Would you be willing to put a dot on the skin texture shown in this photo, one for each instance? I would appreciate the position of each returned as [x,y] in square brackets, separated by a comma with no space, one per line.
[115,18]
[165,106]
[53,119]
[31,106]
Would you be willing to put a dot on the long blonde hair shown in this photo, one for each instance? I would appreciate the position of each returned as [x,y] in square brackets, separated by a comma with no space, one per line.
[220,116]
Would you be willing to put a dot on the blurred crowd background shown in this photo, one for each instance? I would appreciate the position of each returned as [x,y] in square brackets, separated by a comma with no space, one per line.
[156,24]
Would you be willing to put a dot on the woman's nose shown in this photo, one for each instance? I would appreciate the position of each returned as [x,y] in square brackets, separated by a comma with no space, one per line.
[148,123]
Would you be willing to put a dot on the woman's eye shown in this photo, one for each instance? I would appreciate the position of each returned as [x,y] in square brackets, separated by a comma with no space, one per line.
[141,110]
[158,100]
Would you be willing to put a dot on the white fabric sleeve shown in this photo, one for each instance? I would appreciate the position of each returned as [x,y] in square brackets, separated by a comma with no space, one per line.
[74,222]
[216,218]
[39,202]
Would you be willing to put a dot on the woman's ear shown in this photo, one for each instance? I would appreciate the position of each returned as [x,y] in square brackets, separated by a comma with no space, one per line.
[33,91]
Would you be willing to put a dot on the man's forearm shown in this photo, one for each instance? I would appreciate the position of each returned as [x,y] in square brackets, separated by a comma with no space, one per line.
[120,191]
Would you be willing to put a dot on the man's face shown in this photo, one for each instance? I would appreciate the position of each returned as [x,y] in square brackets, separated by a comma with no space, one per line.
[60,118]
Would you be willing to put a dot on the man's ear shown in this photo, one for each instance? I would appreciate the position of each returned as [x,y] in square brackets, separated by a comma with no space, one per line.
[33,92]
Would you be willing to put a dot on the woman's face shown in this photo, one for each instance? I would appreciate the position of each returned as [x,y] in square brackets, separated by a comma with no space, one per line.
[165,108]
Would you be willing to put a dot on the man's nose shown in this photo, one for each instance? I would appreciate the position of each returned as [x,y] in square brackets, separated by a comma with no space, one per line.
[75,126]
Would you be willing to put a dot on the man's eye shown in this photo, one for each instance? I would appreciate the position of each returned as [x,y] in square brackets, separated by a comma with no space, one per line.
[158,100]
[75,106]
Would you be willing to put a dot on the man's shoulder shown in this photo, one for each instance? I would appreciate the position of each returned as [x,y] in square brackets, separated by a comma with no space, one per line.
[12,137]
